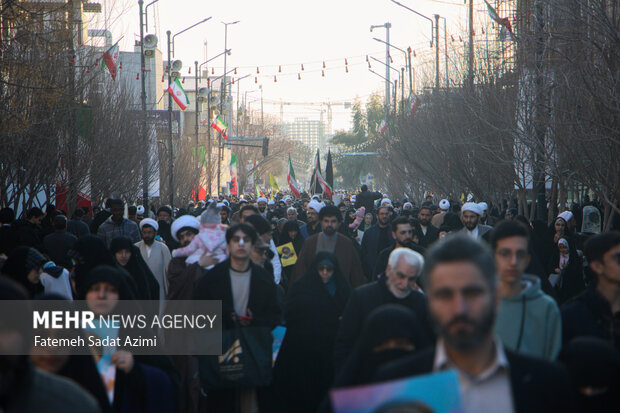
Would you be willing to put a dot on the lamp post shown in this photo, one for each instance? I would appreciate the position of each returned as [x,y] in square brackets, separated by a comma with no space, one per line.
[222,98]
[208,152]
[432,36]
[398,72]
[387,64]
[145,167]
[389,82]
[146,16]
[169,68]
[445,46]
[407,59]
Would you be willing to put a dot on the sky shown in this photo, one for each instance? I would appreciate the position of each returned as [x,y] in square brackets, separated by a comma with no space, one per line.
[276,35]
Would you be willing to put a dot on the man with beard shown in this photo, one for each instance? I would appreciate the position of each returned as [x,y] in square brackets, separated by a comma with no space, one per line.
[402,231]
[164,220]
[397,287]
[330,240]
[427,233]
[156,255]
[262,206]
[462,300]
[117,225]
[376,239]
[312,218]
[470,216]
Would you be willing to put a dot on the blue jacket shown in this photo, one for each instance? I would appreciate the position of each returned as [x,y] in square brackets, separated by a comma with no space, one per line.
[530,322]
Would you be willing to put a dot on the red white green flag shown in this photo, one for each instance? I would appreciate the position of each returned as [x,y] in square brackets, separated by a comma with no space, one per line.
[502,21]
[292,183]
[383,126]
[219,125]
[178,94]
[233,174]
[110,58]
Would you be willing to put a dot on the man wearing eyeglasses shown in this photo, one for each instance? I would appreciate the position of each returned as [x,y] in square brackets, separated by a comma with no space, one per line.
[528,320]
[596,311]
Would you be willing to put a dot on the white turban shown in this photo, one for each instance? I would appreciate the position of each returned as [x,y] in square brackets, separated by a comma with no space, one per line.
[317,206]
[444,205]
[473,207]
[386,201]
[484,206]
[316,197]
[271,202]
[151,222]
[566,216]
[262,199]
[184,221]
[407,204]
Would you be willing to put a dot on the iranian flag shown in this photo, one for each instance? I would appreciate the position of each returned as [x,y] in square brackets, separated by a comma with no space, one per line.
[219,125]
[383,127]
[233,174]
[414,104]
[110,58]
[178,94]
[292,183]
[503,22]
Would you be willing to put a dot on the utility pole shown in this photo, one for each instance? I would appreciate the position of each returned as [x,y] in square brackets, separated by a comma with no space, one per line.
[171,154]
[436,52]
[145,140]
[470,54]
[410,70]
[387,26]
[196,126]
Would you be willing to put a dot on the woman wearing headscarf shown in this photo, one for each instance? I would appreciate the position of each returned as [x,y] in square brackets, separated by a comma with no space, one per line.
[25,265]
[146,383]
[82,369]
[313,308]
[129,258]
[389,333]
[565,267]
[87,253]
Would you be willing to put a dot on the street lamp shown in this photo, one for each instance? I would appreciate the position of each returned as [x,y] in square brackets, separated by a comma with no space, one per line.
[432,36]
[407,60]
[399,78]
[208,153]
[169,68]
[222,97]
[388,82]
[387,63]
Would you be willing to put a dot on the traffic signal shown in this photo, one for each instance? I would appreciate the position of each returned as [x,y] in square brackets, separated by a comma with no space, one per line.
[265,146]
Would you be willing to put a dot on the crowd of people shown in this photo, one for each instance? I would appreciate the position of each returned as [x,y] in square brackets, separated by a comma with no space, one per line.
[368,290]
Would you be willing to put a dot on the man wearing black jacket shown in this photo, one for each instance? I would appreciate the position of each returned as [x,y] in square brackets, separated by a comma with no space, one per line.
[249,298]
[404,267]
[463,303]
[367,199]
[402,232]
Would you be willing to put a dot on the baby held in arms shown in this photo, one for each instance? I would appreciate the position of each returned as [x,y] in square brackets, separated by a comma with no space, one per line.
[211,238]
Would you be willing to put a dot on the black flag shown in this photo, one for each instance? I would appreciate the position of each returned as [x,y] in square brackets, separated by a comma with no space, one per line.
[329,170]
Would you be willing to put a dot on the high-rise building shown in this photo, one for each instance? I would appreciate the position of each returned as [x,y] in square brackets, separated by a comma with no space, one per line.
[309,132]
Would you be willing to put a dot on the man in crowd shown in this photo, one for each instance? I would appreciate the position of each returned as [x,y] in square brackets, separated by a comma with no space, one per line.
[164,220]
[470,216]
[58,243]
[528,320]
[8,237]
[486,219]
[291,215]
[313,225]
[444,207]
[249,299]
[76,224]
[117,225]
[402,231]
[461,288]
[427,233]
[156,255]
[28,230]
[366,199]
[376,239]
[596,311]
[262,206]
[330,240]
[398,286]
